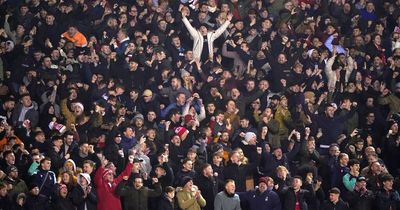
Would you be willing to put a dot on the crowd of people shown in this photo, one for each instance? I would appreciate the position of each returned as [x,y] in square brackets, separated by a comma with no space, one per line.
[199,104]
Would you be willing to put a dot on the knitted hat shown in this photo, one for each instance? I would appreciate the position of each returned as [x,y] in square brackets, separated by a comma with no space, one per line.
[32,185]
[85,176]
[185,180]
[263,180]
[80,105]
[106,172]
[181,131]
[11,169]
[248,136]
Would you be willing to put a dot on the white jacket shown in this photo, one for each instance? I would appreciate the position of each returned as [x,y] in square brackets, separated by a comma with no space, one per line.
[198,39]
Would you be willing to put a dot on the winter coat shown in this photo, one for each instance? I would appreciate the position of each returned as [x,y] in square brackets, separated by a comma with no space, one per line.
[198,39]
[46,180]
[187,199]
[136,199]
[37,202]
[222,202]
[388,200]
[209,189]
[268,200]
[107,198]
[165,204]
[361,201]
[77,197]
[340,205]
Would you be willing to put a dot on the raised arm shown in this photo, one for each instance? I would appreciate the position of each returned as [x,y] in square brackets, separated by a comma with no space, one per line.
[223,27]
[192,31]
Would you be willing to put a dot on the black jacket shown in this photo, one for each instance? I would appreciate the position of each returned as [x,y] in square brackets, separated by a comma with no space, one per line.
[340,205]
[79,201]
[289,196]
[358,201]
[209,189]
[39,202]
[136,199]
[165,204]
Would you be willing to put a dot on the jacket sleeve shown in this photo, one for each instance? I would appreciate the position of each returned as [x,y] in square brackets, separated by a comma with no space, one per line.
[348,182]
[217,203]
[220,30]
[192,31]
[97,177]
[126,172]
[184,204]
[156,192]
[201,201]
[122,189]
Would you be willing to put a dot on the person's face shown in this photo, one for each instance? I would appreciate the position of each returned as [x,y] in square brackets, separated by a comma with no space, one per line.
[50,19]
[176,140]
[3,192]
[46,165]
[128,132]
[235,158]
[72,31]
[138,183]
[377,40]
[344,160]
[230,187]
[10,159]
[211,108]
[333,197]
[388,185]
[278,153]
[14,174]
[330,111]
[65,178]
[176,42]
[171,195]
[84,148]
[355,167]
[359,145]
[250,85]
[235,93]
[35,191]
[83,181]
[181,99]
[262,187]
[188,165]
[175,83]
[189,184]
[297,183]
[26,101]
[69,139]
[208,172]
[87,168]
[376,167]
[244,123]
[281,58]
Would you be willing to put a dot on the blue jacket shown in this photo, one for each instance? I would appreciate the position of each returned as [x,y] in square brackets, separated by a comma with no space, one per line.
[127,143]
[269,200]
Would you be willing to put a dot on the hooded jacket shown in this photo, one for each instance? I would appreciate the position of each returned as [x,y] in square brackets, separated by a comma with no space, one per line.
[107,198]
[77,195]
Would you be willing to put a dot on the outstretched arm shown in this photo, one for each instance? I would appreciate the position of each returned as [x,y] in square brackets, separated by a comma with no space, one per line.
[189,26]
[223,27]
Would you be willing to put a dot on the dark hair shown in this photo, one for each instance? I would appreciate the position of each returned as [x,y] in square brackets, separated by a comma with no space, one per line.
[169,189]
[353,162]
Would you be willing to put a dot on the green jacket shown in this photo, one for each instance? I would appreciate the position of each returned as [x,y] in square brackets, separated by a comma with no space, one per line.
[136,199]
[187,201]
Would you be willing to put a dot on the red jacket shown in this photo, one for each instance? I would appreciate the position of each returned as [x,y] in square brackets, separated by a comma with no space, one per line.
[106,197]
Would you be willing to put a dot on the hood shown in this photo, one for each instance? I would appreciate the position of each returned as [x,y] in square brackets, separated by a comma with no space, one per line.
[85,176]
[71,161]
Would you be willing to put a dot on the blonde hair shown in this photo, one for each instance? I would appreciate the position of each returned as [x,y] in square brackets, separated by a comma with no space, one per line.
[243,158]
